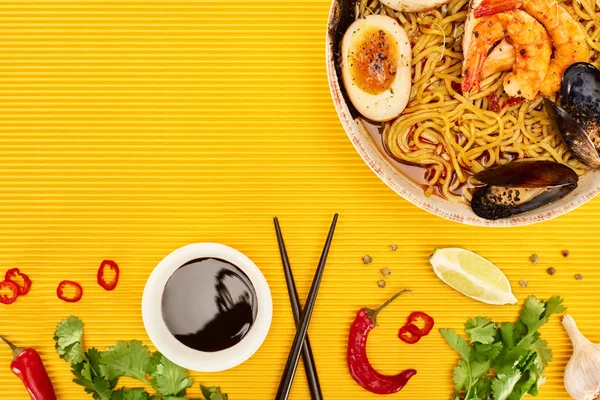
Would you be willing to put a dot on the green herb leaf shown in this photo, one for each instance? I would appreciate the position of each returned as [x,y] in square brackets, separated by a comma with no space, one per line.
[544,354]
[126,359]
[170,379]
[507,332]
[213,393]
[532,313]
[486,352]
[479,369]
[503,384]
[481,330]
[508,360]
[461,373]
[130,394]
[68,336]
[554,306]
[153,363]
[457,343]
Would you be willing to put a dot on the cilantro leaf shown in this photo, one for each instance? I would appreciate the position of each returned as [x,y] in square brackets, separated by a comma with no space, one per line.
[503,384]
[508,360]
[153,363]
[99,388]
[532,313]
[69,337]
[554,306]
[482,389]
[456,342]
[507,332]
[479,369]
[544,354]
[481,330]
[130,394]
[126,359]
[213,393]
[486,352]
[170,379]
[461,373]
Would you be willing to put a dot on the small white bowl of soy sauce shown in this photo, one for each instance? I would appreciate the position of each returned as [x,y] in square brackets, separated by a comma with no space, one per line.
[207,307]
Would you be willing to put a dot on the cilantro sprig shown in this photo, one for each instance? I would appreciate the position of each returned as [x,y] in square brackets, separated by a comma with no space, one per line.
[99,371]
[503,361]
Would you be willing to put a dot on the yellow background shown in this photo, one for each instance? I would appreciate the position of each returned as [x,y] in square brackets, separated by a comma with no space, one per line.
[131,128]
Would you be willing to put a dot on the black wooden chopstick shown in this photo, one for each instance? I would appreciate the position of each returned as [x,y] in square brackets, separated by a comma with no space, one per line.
[292,362]
[307,356]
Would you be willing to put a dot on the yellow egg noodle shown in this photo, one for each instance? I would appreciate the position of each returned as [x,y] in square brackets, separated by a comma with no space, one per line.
[454,136]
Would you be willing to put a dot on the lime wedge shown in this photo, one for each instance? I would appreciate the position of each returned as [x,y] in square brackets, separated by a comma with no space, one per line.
[472,275]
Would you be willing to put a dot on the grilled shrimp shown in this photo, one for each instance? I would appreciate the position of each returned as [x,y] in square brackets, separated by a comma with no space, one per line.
[533,51]
[567,35]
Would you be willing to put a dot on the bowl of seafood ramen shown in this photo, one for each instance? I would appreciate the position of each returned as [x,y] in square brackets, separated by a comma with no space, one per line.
[484,112]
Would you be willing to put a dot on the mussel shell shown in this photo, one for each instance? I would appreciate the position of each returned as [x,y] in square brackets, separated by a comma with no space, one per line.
[528,174]
[493,202]
[580,87]
[572,132]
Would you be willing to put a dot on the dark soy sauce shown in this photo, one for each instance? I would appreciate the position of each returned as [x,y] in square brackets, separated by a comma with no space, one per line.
[209,304]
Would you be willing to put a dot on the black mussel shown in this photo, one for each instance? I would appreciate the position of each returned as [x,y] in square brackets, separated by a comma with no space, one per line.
[578,117]
[518,187]
[572,132]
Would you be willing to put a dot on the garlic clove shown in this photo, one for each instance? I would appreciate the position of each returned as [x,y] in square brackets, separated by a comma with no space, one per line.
[582,374]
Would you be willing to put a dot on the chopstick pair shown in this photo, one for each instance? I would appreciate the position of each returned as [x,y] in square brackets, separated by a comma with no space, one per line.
[302,319]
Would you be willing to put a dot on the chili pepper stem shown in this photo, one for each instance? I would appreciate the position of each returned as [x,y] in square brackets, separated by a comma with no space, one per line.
[373,313]
[15,350]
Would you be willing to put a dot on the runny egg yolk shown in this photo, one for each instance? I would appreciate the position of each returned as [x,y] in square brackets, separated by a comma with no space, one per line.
[373,60]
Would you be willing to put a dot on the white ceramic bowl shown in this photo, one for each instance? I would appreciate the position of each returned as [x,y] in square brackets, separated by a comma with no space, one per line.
[383,167]
[176,351]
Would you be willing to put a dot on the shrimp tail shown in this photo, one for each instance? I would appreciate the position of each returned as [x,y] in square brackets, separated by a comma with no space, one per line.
[473,73]
[491,7]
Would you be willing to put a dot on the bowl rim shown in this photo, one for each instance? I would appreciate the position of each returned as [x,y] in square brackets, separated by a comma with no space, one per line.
[380,164]
[176,351]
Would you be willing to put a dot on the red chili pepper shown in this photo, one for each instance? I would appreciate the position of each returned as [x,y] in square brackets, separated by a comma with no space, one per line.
[358,363]
[457,87]
[410,334]
[494,103]
[15,276]
[13,292]
[28,366]
[428,322]
[60,291]
[514,101]
[108,264]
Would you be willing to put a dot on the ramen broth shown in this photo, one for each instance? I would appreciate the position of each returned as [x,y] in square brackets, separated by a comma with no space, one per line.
[414,173]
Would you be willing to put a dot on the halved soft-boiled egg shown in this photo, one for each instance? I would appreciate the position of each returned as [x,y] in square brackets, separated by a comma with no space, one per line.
[376,57]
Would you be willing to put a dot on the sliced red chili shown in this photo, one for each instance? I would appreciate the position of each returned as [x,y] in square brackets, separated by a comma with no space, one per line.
[20,279]
[457,87]
[9,291]
[419,317]
[69,291]
[494,103]
[410,334]
[513,101]
[106,268]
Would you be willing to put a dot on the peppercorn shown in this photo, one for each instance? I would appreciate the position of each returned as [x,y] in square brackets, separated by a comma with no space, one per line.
[578,277]
[565,253]
[524,283]
[534,258]
[551,271]
[385,271]
[381,283]
[367,259]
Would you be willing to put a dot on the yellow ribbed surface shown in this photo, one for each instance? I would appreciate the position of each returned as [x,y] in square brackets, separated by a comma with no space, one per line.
[131,128]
